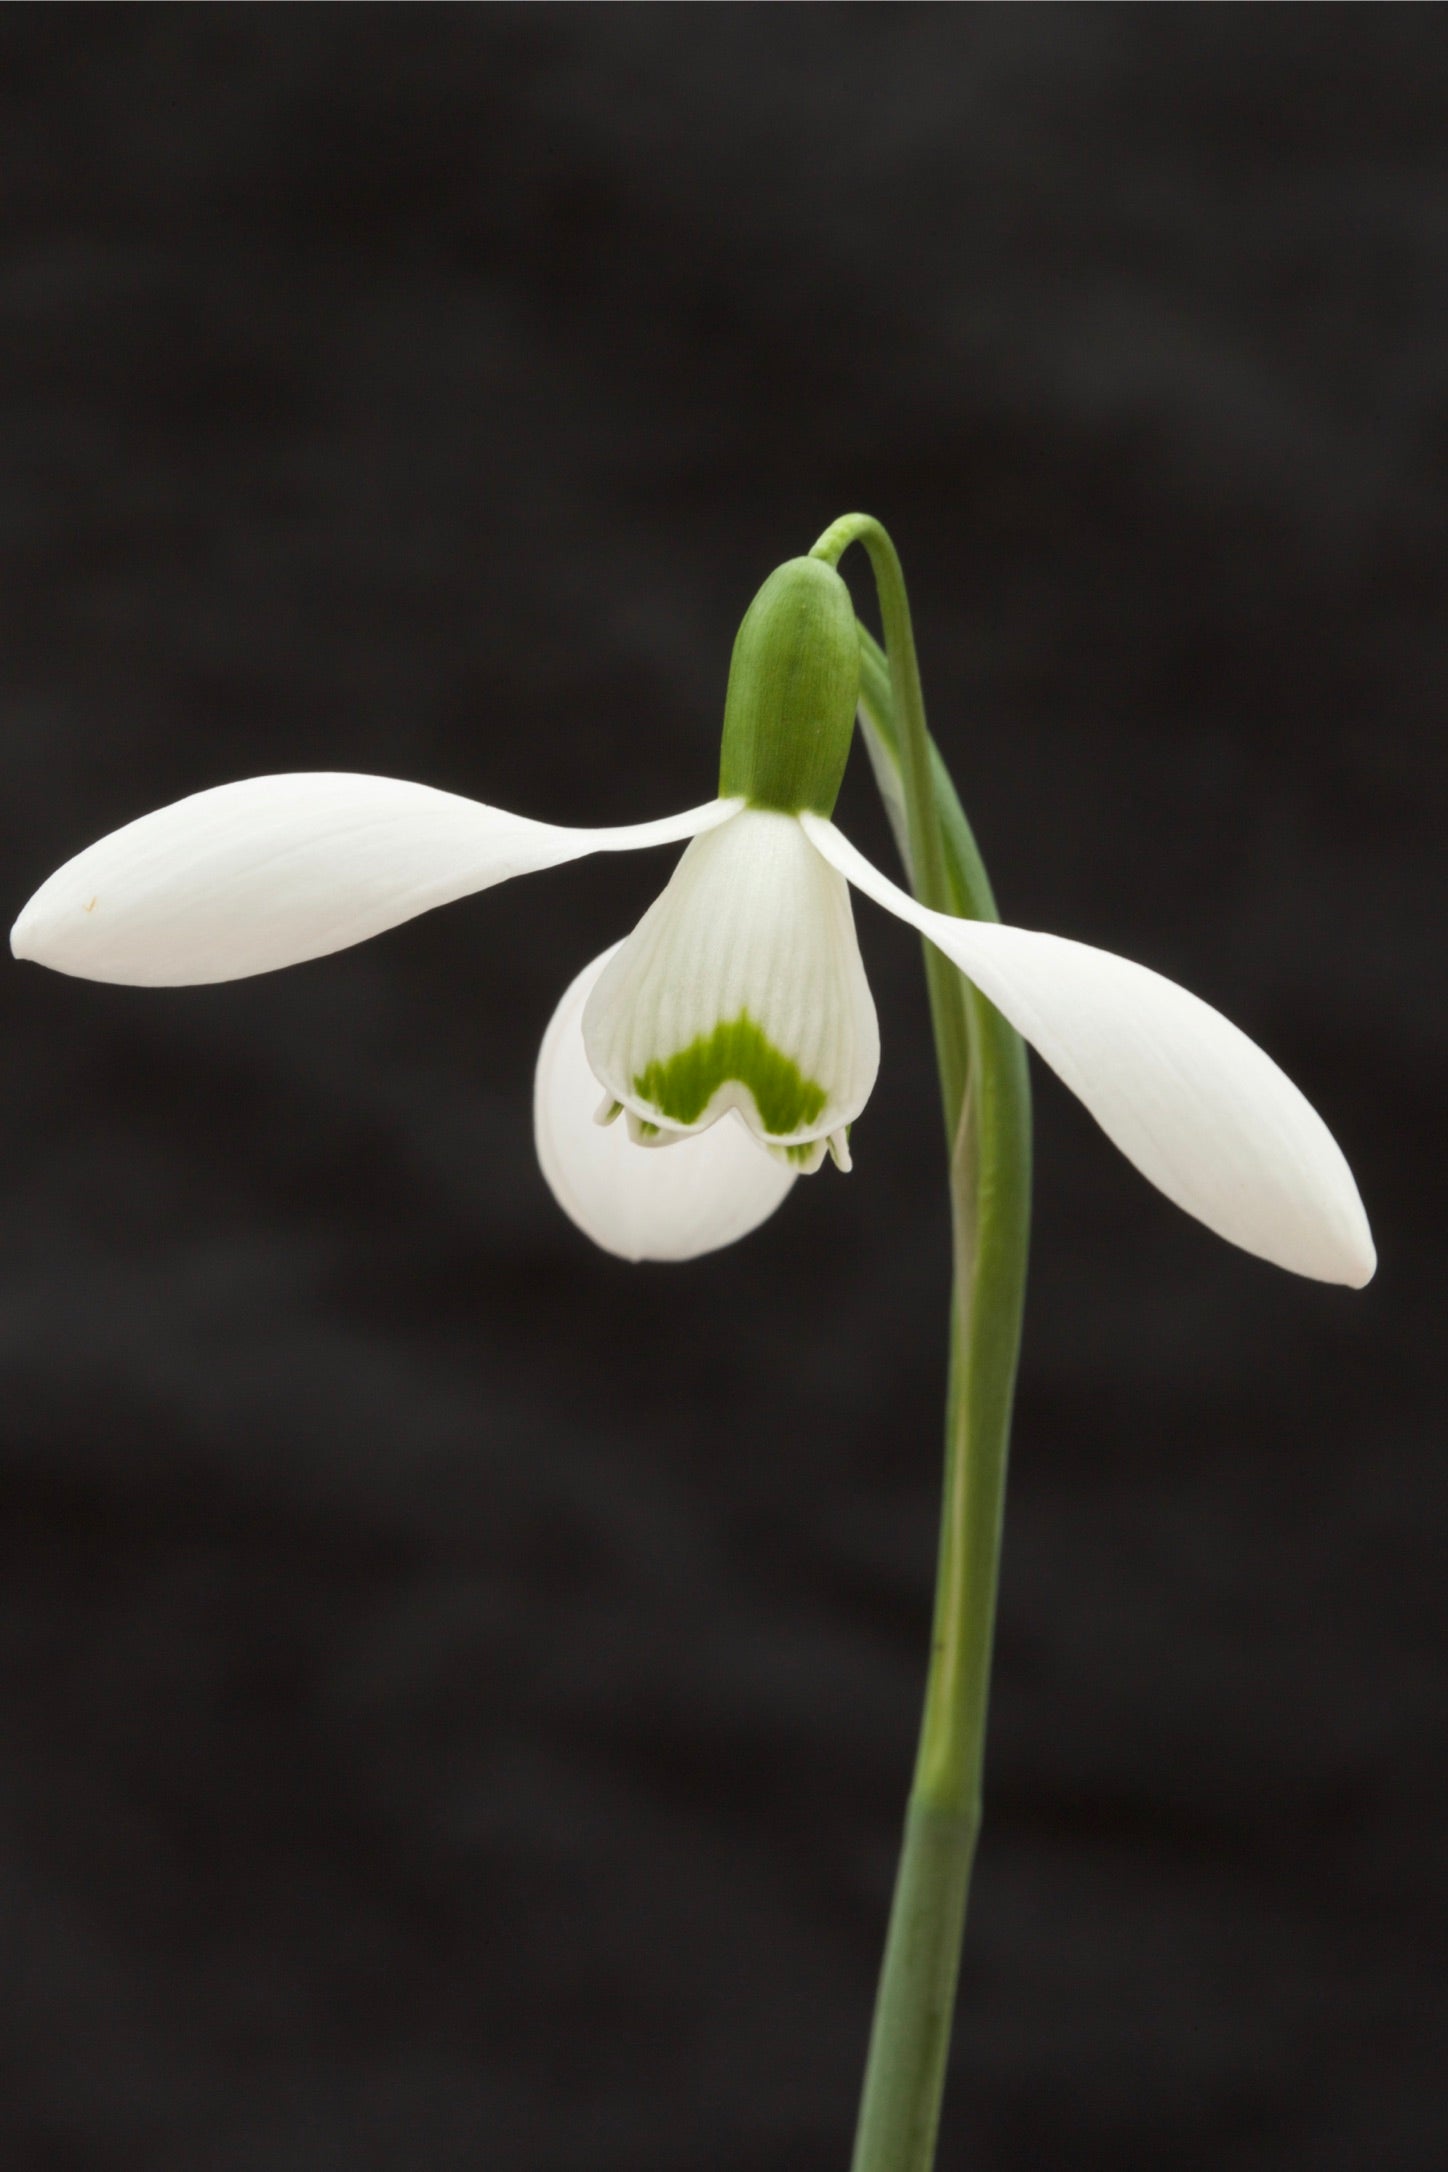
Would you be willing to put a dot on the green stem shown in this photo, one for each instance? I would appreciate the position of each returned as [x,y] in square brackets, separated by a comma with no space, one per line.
[986,1091]
[912,754]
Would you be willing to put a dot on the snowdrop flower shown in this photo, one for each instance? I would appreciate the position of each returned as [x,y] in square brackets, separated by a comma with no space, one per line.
[734,1028]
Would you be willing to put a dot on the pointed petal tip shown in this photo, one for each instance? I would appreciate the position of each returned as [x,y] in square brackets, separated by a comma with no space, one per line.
[1360,1262]
[32,939]
[1320,1229]
[1344,1256]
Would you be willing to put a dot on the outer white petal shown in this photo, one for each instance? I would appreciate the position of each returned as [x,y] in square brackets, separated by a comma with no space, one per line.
[753,942]
[636,1201]
[265,873]
[1201,1110]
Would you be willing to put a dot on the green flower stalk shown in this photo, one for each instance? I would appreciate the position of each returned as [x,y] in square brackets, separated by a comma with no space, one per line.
[985,1089]
[691,1074]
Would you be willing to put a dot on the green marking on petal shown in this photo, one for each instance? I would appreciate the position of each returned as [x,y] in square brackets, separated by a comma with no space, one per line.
[682,1088]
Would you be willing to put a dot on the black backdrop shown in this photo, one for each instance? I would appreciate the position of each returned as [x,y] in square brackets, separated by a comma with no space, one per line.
[458,1691]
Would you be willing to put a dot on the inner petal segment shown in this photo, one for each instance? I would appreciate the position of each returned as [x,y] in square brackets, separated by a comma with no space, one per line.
[742,989]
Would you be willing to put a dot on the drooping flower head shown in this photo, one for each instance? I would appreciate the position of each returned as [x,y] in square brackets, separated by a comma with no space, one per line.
[742,988]
[734,1027]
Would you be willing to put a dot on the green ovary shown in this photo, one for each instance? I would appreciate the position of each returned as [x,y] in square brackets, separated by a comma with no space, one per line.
[682,1088]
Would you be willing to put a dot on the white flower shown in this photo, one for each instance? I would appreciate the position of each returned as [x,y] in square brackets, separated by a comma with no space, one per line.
[736,1016]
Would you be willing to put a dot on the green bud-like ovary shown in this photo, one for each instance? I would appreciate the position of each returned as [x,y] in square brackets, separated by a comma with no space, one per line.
[793,684]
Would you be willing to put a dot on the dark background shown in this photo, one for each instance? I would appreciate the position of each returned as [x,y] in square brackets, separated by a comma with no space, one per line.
[458,1691]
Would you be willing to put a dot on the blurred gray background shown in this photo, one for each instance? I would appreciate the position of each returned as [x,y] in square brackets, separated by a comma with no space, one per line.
[456,1691]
